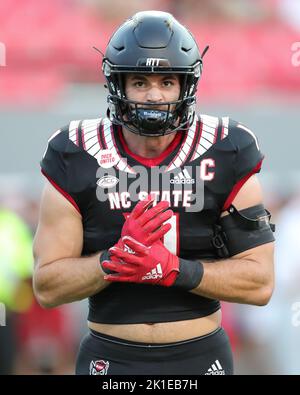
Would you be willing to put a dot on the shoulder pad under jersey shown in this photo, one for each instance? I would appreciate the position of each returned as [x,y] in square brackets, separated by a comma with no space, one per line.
[56,160]
[61,140]
[245,144]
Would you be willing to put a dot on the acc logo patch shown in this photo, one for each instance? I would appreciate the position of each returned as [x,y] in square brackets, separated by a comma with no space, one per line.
[107,181]
[99,368]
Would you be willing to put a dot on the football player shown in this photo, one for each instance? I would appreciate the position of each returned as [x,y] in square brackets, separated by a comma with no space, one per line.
[154,213]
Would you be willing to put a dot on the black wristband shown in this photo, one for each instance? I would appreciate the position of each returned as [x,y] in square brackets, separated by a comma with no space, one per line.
[190,274]
[105,256]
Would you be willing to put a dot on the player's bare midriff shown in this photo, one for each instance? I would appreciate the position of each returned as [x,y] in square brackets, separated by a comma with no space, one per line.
[162,332]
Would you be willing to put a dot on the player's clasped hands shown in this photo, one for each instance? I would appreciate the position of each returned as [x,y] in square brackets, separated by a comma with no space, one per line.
[140,256]
[145,223]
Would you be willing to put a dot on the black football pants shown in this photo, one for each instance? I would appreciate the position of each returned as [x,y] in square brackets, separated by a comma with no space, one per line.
[101,354]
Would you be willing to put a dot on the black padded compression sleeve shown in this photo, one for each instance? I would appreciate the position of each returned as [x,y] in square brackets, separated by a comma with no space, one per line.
[246,229]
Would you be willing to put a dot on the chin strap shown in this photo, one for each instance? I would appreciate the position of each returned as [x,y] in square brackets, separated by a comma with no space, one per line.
[153,121]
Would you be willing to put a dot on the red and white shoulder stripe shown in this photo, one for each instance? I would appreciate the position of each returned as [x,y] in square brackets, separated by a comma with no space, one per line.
[225,123]
[110,144]
[93,144]
[208,134]
[91,140]
[90,136]
[185,148]
[73,132]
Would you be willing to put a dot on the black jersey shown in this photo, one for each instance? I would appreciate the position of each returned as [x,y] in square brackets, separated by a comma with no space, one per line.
[200,173]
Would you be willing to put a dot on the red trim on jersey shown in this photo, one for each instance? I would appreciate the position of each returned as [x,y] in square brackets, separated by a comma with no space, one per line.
[239,185]
[64,193]
[77,137]
[118,151]
[222,133]
[199,138]
[114,141]
[179,151]
[151,161]
[103,137]
[216,133]
[197,130]
[83,138]
[178,234]
[98,134]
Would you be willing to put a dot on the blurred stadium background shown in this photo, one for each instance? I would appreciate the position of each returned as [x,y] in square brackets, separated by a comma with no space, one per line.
[49,75]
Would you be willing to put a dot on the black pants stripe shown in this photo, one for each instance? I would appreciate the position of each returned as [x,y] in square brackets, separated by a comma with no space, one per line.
[101,354]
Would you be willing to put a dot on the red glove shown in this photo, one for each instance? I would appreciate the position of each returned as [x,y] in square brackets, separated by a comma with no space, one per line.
[139,263]
[144,224]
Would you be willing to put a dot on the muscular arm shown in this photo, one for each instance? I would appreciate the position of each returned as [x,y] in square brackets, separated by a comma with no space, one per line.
[61,275]
[247,277]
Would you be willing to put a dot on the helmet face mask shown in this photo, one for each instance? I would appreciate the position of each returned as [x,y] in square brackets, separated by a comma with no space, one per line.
[141,118]
[169,49]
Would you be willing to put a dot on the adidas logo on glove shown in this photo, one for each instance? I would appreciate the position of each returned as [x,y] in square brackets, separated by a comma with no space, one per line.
[154,273]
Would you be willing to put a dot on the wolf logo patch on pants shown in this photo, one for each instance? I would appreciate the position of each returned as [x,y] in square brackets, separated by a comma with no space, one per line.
[99,367]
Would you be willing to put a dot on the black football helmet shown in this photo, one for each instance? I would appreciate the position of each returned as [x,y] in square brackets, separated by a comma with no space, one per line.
[152,42]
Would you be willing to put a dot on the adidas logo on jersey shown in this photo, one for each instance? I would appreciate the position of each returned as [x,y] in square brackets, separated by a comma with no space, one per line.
[182,178]
[154,273]
[215,369]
